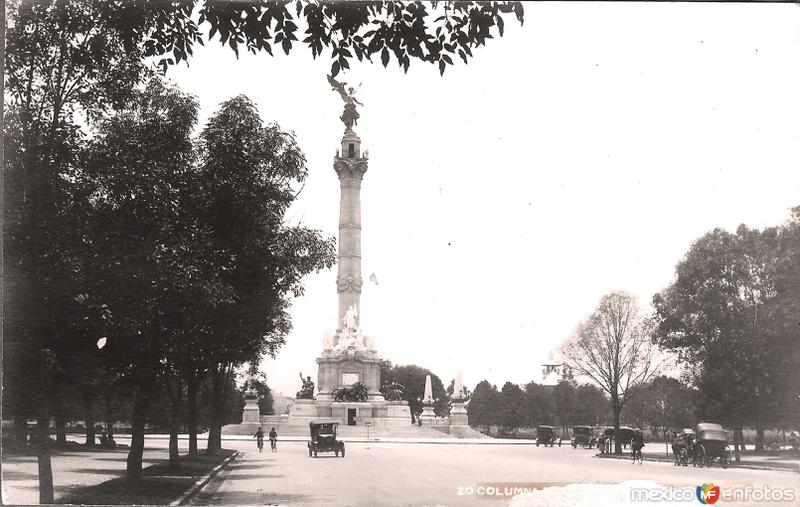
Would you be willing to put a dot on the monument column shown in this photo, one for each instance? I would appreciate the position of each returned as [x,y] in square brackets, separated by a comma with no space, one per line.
[350,166]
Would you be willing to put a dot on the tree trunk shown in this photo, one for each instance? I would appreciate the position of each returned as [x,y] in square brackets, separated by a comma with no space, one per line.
[191,392]
[138,418]
[43,457]
[174,455]
[174,388]
[738,439]
[215,431]
[616,412]
[90,440]
[110,430]
[61,431]
[759,436]
[21,430]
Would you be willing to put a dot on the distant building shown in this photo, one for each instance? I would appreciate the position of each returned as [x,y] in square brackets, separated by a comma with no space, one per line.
[554,372]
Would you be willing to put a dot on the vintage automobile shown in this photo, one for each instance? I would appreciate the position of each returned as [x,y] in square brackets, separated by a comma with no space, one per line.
[583,436]
[711,445]
[625,435]
[547,435]
[323,438]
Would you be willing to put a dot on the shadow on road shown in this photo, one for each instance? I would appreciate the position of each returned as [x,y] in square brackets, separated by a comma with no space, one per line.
[18,476]
[260,498]
[249,467]
[248,477]
[96,471]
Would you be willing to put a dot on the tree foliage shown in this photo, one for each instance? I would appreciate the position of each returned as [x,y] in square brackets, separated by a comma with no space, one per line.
[665,404]
[485,407]
[731,315]
[412,377]
[361,30]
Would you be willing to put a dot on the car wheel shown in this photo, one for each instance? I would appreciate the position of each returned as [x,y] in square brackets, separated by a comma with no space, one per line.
[343,451]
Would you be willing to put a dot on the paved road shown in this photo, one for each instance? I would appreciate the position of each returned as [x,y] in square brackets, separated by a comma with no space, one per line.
[431,474]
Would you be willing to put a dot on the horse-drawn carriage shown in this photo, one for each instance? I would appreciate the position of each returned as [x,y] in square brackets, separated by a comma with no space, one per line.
[583,436]
[711,445]
[702,447]
[547,435]
[682,446]
[323,438]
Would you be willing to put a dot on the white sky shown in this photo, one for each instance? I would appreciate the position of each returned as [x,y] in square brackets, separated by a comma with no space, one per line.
[581,153]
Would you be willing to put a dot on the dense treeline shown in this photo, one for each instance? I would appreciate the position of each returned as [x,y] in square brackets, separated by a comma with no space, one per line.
[515,406]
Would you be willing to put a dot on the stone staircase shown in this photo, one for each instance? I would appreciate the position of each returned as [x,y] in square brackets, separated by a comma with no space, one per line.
[301,430]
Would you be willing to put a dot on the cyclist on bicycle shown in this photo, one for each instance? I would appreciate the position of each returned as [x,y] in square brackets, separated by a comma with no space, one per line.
[637,442]
[259,436]
[273,440]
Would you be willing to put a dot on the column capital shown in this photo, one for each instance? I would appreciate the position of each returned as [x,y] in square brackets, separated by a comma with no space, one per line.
[350,168]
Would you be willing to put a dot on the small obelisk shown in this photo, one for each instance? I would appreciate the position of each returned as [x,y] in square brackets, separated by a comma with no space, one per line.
[459,421]
[428,416]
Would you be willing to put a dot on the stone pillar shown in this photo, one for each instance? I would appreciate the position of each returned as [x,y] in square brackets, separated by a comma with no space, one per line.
[459,421]
[251,414]
[350,166]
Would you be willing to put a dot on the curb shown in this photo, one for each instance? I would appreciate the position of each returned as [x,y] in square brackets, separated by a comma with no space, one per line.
[743,466]
[194,488]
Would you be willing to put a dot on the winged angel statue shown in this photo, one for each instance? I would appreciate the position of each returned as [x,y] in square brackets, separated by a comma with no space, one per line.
[350,115]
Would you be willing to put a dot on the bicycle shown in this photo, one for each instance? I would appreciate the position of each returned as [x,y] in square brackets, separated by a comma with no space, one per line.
[260,443]
[273,444]
[637,455]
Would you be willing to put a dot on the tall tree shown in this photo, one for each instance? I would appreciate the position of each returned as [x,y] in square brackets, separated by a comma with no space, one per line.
[485,406]
[613,348]
[139,164]
[564,397]
[726,316]
[540,404]
[512,399]
[250,173]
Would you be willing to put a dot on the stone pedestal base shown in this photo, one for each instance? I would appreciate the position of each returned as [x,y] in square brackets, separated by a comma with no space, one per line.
[241,429]
[345,368]
[251,413]
[304,411]
[378,413]
[428,416]
[459,422]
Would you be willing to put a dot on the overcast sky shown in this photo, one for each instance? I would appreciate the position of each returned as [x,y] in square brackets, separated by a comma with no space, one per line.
[579,154]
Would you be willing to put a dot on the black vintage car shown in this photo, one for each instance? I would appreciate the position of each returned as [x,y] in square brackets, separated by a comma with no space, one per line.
[625,435]
[323,438]
[583,436]
[547,435]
